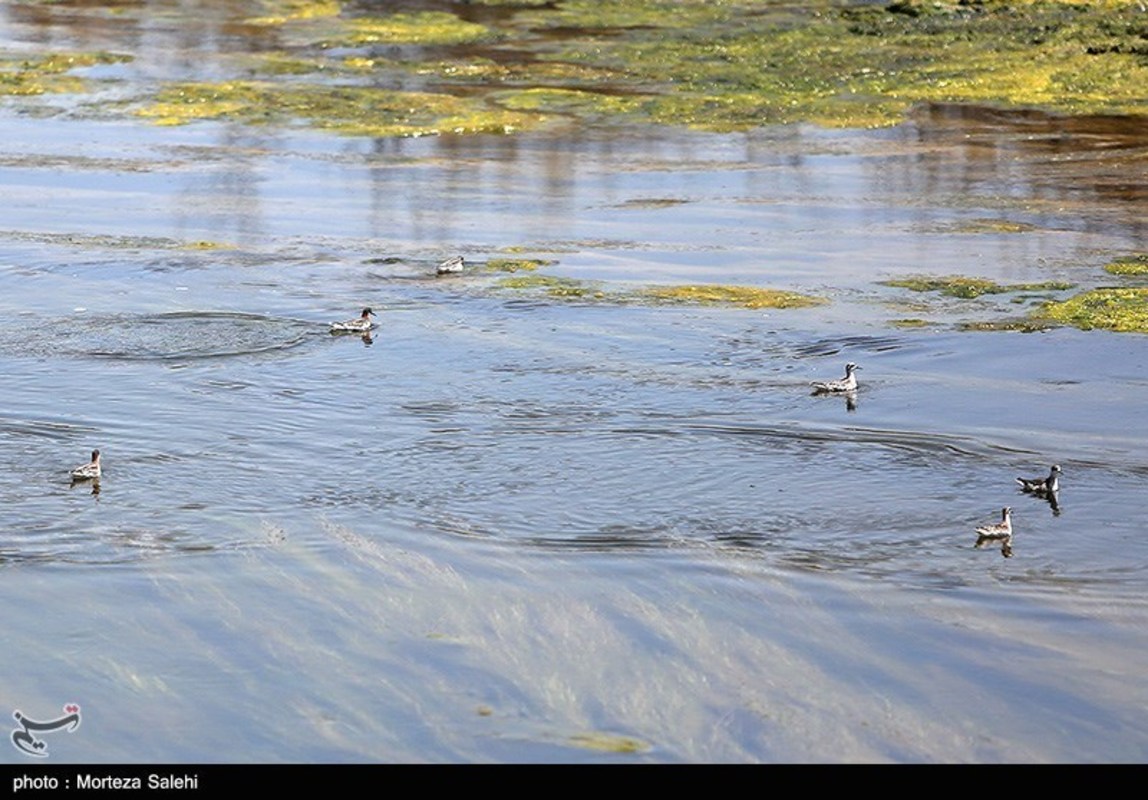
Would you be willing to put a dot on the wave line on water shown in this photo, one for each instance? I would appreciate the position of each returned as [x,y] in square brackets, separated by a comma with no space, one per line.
[174,336]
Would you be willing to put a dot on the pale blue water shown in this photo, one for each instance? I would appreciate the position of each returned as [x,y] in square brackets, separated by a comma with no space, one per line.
[514,526]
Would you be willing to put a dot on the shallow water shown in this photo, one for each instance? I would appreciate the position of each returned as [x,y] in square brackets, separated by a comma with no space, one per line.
[514,527]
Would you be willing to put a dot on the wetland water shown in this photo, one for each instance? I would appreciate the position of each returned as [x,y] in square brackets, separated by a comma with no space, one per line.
[562,521]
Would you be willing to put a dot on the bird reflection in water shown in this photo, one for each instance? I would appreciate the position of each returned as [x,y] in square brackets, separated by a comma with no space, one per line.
[93,485]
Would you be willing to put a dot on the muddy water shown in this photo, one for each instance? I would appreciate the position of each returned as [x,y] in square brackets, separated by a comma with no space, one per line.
[514,526]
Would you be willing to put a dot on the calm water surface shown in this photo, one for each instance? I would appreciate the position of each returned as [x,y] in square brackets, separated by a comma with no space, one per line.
[515,527]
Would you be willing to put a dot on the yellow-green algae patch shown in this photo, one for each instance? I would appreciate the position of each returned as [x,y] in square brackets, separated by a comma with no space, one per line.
[1130,265]
[279,12]
[609,742]
[425,28]
[48,74]
[353,110]
[620,15]
[968,288]
[569,101]
[551,285]
[516,264]
[720,294]
[89,240]
[1116,309]
[697,294]
[548,83]
[207,245]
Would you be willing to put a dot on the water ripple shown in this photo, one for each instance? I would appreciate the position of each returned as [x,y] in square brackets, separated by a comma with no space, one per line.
[178,336]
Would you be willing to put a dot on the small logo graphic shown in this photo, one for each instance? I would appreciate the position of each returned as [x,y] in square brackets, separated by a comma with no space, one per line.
[25,740]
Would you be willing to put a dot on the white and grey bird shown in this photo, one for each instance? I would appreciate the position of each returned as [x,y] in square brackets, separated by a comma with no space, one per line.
[452,265]
[846,384]
[89,471]
[361,324]
[998,533]
[1042,486]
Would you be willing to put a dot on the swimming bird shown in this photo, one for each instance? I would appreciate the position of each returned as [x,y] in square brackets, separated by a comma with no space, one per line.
[360,325]
[1000,532]
[89,471]
[452,265]
[1042,486]
[846,384]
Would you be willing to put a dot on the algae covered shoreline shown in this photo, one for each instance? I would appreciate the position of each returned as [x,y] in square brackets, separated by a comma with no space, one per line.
[367,69]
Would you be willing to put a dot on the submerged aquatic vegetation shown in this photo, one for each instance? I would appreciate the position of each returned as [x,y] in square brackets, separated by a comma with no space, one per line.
[609,742]
[991,226]
[968,288]
[746,296]
[651,202]
[1115,309]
